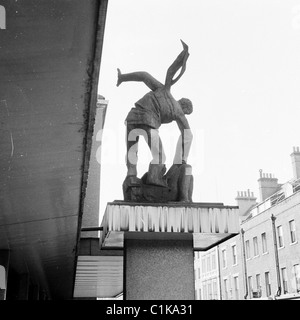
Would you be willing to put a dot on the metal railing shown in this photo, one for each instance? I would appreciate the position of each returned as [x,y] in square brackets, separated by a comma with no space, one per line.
[277,197]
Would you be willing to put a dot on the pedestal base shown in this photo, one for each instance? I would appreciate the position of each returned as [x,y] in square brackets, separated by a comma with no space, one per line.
[158,240]
[158,270]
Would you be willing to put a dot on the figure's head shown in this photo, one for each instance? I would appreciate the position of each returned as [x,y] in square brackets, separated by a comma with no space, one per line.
[186,105]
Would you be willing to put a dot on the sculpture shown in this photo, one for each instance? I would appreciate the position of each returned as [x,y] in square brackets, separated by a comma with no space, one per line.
[155,108]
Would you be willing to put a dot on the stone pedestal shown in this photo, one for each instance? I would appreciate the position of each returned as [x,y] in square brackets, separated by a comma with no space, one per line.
[158,242]
[158,270]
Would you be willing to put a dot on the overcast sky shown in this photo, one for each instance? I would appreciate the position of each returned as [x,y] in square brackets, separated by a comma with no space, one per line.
[243,77]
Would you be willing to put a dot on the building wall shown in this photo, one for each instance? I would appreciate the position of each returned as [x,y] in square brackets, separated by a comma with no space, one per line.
[91,212]
[288,255]
[207,284]
[258,263]
[231,269]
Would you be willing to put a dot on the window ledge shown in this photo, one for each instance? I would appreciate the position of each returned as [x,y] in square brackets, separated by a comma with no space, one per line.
[293,243]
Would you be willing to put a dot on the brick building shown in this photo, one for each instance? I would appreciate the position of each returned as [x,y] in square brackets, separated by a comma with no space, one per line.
[263,261]
[207,276]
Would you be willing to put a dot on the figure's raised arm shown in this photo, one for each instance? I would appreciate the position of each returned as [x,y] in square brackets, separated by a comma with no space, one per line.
[139,76]
[180,62]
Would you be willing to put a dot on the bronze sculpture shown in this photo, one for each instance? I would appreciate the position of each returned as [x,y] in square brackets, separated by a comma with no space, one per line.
[155,108]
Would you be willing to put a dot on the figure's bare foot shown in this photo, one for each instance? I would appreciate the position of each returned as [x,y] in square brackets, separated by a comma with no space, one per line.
[119,77]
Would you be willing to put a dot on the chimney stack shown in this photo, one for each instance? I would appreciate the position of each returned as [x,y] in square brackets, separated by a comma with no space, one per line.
[268,185]
[245,200]
[296,162]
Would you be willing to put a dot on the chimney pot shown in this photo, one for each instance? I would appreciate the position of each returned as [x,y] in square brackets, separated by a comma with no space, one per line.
[267,187]
[296,163]
[245,203]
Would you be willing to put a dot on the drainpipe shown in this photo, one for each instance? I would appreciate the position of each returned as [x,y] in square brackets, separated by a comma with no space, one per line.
[245,263]
[278,293]
[219,269]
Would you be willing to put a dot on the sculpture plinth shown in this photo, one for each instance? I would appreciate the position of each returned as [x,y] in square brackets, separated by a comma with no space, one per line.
[159,239]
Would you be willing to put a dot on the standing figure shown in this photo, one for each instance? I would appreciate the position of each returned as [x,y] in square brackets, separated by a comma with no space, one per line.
[155,108]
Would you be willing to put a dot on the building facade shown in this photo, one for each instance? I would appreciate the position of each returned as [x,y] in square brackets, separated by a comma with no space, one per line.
[207,276]
[263,261]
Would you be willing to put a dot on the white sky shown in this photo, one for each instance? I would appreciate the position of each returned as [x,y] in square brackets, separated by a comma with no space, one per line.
[243,77]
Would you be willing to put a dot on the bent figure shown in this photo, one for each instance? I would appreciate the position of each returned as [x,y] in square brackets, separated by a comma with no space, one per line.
[155,108]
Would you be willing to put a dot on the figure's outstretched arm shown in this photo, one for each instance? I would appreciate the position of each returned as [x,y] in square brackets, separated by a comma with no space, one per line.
[180,62]
[140,76]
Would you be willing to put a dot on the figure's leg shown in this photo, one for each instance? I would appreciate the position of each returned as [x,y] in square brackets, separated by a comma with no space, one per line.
[185,183]
[132,139]
[139,76]
[157,166]
[132,150]
[156,147]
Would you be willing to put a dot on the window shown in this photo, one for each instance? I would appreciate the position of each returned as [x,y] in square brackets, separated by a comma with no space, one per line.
[296,273]
[264,243]
[213,261]
[215,290]
[203,266]
[268,285]
[236,287]
[196,297]
[226,288]
[250,287]
[204,292]
[208,264]
[199,273]
[255,246]
[292,231]
[234,256]
[200,296]
[247,249]
[209,291]
[284,280]
[224,258]
[258,287]
[280,236]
